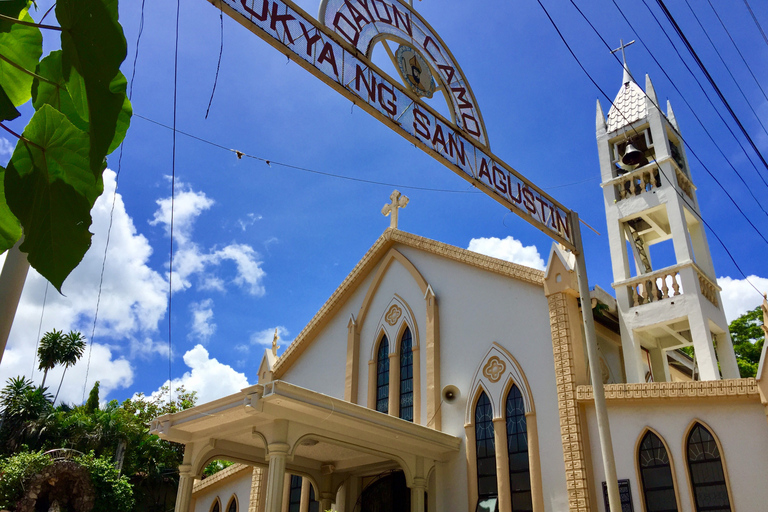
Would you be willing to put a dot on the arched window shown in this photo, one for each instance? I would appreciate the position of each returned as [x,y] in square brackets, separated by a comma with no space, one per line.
[705,467]
[382,376]
[314,505]
[232,507]
[517,446]
[656,475]
[485,446]
[294,494]
[406,376]
[216,507]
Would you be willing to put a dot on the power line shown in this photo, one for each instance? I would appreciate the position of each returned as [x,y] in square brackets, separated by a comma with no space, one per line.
[757,23]
[710,80]
[727,68]
[677,132]
[578,61]
[173,196]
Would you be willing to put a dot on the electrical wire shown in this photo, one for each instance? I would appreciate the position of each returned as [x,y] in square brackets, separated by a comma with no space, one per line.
[658,108]
[39,329]
[749,68]
[112,210]
[757,23]
[727,68]
[173,196]
[218,64]
[578,61]
[711,81]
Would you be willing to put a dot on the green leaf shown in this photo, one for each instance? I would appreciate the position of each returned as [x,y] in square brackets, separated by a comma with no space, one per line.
[93,43]
[69,96]
[22,45]
[12,9]
[10,230]
[7,110]
[51,190]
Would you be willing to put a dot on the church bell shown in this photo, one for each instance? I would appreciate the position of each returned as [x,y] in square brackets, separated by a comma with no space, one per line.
[633,156]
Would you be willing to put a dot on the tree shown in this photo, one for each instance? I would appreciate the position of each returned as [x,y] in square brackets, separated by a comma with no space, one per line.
[93,399]
[81,115]
[23,405]
[48,352]
[70,353]
[748,339]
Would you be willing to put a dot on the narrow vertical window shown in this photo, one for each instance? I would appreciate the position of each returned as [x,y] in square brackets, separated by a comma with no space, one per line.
[485,446]
[656,475]
[382,376]
[294,494]
[406,376]
[517,446]
[314,505]
[705,467]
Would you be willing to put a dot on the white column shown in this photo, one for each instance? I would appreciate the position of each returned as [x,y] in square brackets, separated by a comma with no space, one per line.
[273,494]
[727,357]
[12,280]
[417,494]
[659,365]
[184,494]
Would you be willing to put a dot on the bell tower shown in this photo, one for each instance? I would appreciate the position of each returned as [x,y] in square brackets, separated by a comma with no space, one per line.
[652,210]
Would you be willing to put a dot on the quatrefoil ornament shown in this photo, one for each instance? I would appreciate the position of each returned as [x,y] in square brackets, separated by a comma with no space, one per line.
[494,369]
[393,315]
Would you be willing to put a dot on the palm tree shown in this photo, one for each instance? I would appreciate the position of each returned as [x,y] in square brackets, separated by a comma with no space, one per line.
[48,352]
[71,350]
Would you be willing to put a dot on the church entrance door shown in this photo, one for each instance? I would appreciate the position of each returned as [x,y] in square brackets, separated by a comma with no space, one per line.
[386,494]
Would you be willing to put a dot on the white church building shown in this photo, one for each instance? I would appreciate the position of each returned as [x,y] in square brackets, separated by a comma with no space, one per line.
[438,379]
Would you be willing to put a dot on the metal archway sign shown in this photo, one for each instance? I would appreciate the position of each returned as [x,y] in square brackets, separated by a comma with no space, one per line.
[340,57]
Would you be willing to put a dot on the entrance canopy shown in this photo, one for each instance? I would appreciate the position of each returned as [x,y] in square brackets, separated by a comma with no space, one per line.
[316,435]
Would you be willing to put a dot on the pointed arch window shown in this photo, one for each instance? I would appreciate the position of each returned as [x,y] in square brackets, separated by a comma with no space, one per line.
[656,475]
[216,507]
[705,467]
[406,375]
[382,376]
[232,507]
[485,446]
[517,446]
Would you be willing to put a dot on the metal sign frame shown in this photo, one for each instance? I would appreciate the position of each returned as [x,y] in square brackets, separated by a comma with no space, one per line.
[329,57]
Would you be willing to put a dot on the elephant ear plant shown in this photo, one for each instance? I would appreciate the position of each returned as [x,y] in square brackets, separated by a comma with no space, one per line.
[81,114]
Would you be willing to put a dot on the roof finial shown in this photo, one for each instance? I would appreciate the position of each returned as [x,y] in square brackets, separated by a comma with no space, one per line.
[627,75]
[275,346]
[398,201]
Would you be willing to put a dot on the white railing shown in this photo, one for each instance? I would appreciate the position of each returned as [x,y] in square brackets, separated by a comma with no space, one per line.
[666,283]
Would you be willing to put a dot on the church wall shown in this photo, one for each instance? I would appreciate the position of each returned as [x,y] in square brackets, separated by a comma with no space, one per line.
[739,425]
[478,308]
[238,485]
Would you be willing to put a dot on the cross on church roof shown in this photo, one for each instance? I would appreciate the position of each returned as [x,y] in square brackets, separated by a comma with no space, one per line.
[621,47]
[398,201]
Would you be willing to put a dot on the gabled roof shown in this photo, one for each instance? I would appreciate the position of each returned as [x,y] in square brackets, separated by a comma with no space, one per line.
[378,250]
[629,105]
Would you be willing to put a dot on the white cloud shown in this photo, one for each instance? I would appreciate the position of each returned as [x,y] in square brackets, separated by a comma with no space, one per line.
[6,149]
[249,220]
[264,337]
[202,326]
[190,261]
[508,249]
[739,296]
[129,309]
[210,378]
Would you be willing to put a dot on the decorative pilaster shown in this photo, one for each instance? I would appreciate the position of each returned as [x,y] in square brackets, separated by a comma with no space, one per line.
[255,496]
[184,493]
[433,361]
[273,496]
[353,358]
[571,420]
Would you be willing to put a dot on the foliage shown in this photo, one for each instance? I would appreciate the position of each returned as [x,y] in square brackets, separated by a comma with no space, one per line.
[23,406]
[48,351]
[748,339]
[15,470]
[93,399]
[81,115]
[113,491]
[216,466]
[69,354]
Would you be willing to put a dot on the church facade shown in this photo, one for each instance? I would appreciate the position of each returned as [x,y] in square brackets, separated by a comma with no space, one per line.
[438,379]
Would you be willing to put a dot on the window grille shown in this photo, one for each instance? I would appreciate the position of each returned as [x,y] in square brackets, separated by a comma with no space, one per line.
[656,475]
[517,447]
[382,376]
[485,447]
[406,376]
[705,467]
[294,494]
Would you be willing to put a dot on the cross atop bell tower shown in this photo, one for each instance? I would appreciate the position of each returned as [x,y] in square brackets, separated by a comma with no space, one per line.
[665,282]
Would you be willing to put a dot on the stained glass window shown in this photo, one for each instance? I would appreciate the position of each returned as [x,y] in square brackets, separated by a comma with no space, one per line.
[382,376]
[294,495]
[485,450]
[706,470]
[517,446]
[232,507]
[406,376]
[656,475]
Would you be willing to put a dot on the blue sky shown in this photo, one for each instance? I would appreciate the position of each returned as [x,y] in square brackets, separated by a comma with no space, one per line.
[260,247]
